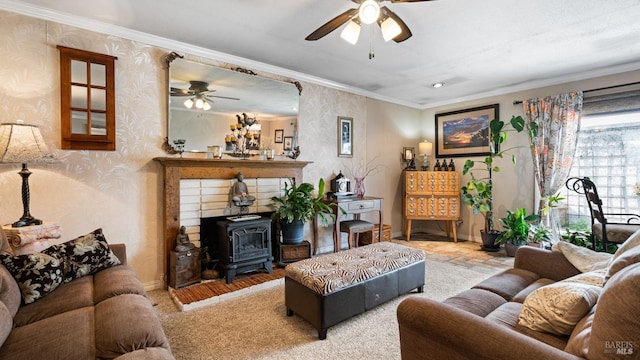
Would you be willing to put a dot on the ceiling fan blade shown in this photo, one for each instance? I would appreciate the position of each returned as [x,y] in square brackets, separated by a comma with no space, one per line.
[332,25]
[221,97]
[405,32]
[180,92]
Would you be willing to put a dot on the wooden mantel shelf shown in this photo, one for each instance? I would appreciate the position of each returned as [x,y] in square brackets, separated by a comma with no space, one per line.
[176,168]
[200,168]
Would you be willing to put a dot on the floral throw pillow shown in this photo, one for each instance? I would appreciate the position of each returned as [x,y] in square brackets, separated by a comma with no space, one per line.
[41,273]
[36,274]
[84,255]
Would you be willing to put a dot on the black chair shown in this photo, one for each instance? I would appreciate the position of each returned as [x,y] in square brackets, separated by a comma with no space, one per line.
[607,231]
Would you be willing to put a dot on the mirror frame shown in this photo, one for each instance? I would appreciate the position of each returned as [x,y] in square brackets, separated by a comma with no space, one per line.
[170,148]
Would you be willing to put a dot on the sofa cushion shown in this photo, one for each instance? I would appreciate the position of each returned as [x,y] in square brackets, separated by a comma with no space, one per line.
[616,325]
[36,274]
[9,291]
[67,297]
[476,301]
[519,297]
[507,315]
[578,343]
[6,322]
[116,280]
[557,308]
[620,261]
[123,331]
[65,336]
[508,283]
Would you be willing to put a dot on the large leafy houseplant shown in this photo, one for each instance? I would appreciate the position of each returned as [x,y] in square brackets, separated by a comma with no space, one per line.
[297,206]
[478,192]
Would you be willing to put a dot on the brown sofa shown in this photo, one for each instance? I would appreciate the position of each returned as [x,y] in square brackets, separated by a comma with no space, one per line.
[100,316]
[483,322]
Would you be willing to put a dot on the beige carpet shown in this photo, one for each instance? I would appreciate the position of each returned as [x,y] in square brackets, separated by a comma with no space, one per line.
[255,326]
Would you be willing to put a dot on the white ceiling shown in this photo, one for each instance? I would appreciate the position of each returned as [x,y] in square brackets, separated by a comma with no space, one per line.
[478,48]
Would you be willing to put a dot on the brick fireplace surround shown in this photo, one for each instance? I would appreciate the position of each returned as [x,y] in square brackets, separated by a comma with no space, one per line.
[179,172]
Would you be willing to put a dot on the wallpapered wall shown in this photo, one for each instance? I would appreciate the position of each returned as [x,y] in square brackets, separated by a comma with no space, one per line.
[120,191]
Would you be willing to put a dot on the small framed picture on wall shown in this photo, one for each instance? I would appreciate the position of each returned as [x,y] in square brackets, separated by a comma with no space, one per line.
[288,140]
[279,135]
[345,136]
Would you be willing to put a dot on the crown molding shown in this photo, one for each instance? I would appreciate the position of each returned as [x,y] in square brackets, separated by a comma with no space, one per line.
[113,30]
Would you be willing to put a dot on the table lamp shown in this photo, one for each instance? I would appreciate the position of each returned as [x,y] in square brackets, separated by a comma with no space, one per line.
[22,143]
[425,148]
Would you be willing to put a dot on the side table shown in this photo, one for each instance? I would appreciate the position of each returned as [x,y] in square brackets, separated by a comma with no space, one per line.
[32,239]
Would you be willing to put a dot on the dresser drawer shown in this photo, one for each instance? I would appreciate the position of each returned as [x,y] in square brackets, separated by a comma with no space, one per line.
[362,205]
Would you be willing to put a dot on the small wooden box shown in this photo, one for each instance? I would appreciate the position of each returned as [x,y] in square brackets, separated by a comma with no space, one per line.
[295,252]
[185,268]
[365,238]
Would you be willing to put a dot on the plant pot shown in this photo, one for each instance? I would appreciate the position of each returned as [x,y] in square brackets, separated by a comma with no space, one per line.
[292,233]
[511,249]
[489,239]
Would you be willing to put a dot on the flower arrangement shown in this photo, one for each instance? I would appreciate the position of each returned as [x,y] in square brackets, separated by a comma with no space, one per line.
[359,172]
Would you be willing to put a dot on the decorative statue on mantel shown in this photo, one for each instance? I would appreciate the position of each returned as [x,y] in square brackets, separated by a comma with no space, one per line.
[240,193]
[182,241]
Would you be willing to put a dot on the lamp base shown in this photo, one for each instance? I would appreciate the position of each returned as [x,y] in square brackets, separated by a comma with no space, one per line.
[26,221]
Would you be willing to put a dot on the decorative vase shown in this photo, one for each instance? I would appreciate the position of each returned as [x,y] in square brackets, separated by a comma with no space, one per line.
[359,187]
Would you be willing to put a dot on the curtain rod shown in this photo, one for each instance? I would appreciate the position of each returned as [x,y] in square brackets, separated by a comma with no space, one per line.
[518,102]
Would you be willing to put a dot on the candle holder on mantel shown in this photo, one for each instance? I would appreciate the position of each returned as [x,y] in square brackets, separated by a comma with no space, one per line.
[241,135]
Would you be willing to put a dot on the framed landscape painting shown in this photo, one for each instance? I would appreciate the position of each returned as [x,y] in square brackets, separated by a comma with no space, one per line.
[465,132]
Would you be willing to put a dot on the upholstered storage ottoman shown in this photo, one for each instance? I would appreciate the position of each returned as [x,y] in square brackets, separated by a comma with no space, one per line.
[328,289]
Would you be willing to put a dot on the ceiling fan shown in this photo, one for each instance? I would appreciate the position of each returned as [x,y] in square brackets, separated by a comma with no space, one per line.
[367,12]
[199,95]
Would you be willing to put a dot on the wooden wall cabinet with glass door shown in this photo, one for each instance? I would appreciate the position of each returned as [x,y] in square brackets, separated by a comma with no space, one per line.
[87,94]
[431,195]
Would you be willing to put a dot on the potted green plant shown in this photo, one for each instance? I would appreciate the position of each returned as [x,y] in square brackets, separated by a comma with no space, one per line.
[478,192]
[538,234]
[516,226]
[297,206]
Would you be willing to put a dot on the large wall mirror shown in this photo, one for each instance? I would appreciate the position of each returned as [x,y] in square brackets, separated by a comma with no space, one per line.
[206,102]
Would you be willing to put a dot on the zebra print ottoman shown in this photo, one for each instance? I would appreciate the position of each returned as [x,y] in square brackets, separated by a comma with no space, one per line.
[328,289]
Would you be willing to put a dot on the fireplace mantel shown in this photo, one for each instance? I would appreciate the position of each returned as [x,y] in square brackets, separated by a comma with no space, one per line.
[176,169]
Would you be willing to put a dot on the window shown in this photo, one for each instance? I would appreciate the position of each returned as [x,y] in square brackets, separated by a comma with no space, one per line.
[608,152]
[87,93]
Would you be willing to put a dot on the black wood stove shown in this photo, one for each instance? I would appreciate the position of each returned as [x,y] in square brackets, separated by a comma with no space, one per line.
[244,246]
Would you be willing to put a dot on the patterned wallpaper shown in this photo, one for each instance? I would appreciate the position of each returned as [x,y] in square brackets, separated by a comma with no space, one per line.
[120,191]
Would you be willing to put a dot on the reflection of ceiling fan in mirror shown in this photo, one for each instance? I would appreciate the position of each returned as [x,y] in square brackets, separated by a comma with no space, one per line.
[368,12]
[199,95]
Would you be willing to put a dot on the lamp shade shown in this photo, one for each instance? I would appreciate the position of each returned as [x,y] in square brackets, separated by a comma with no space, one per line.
[425,148]
[22,143]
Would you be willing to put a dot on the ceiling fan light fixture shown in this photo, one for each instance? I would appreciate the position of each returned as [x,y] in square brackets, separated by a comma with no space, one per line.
[351,32]
[369,11]
[188,103]
[390,29]
[206,106]
[199,103]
